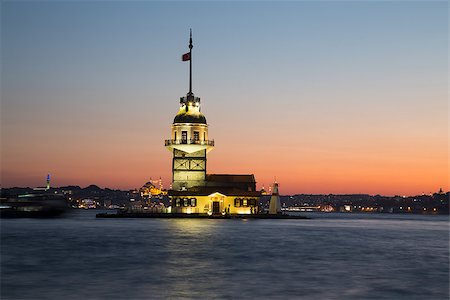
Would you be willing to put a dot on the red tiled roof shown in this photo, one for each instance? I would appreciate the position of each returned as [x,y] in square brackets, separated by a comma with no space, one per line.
[230,178]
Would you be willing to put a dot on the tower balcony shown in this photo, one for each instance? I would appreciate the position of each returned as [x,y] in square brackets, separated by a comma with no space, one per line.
[189,142]
[189,145]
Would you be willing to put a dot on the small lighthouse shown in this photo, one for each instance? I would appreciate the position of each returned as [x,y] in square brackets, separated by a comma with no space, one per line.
[275,205]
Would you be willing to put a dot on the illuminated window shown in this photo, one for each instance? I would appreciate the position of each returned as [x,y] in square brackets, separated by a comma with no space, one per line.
[237,202]
[193,202]
[244,203]
[186,202]
[196,136]
[183,137]
[177,202]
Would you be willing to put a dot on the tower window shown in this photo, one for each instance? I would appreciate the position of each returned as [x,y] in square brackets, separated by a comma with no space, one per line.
[196,136]
[183,137]
[204,136]
[175,136]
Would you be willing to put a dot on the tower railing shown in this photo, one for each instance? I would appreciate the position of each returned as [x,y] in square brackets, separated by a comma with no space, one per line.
[189,142]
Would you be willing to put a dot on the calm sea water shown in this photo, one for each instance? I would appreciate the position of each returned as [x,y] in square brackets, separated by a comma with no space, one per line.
[333,256]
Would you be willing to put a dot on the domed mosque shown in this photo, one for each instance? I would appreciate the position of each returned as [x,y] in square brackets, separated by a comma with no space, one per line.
[193,190]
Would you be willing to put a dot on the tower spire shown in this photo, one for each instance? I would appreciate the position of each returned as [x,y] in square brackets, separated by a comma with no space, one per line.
[190,62]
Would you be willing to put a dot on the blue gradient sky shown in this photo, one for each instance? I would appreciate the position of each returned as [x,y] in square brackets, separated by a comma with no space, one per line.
[329,97]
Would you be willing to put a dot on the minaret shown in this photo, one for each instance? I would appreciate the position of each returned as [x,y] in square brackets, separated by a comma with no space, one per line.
[275,205]
[189,142]
[48,182]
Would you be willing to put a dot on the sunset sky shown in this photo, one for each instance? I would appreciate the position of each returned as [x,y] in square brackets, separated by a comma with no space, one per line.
[328,97]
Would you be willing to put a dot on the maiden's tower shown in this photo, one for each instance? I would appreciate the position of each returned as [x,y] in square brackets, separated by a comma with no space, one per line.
[193,190]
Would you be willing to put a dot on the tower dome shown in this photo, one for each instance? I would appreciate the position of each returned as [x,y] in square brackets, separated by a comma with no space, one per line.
[189,111]
[189,118]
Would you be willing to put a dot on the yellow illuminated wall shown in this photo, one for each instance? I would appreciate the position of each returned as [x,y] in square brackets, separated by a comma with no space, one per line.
[202,129]
[215,204]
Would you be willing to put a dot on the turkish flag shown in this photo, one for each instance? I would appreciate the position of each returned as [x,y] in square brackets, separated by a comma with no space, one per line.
[186,56]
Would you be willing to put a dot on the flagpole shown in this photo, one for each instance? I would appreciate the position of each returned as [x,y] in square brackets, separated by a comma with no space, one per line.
[190,62]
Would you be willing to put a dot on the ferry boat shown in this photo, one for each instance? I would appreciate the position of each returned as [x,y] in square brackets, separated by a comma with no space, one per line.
[44,205]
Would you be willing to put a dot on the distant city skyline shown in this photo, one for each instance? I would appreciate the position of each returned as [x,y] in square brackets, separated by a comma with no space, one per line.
[328,97]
